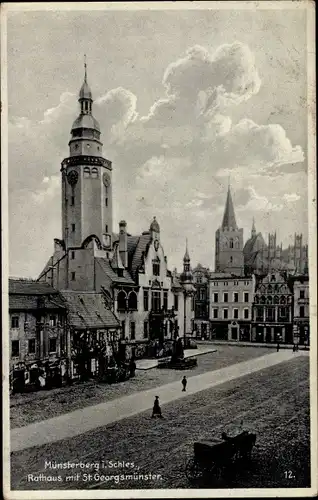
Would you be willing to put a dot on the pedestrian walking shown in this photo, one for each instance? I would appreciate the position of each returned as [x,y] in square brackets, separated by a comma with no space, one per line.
[184,384]
[156,410]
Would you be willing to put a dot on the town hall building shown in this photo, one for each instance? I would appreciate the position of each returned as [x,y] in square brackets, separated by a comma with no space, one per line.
[149,301]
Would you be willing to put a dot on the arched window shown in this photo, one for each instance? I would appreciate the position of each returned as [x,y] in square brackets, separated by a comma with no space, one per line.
[231,243]
[121,301]
[87,172]
[283,300]
[226,243]
[256,299]
[231,259]
[156,267]
[276,299]
[132,301]
[269,289]
[94,173]
[263,300]
[269,300]
[237,243]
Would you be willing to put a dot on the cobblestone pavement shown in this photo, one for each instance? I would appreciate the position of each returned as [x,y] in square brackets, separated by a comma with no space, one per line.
[33,407]
[273,402]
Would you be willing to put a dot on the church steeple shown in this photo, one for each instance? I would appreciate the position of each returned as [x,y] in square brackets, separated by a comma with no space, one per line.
[85,95]
[229,221]
[253,232]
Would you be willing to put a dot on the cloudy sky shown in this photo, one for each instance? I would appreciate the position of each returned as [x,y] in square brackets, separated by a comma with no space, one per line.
[185,100]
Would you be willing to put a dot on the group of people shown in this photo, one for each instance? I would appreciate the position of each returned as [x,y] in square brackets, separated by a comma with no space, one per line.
[156,410]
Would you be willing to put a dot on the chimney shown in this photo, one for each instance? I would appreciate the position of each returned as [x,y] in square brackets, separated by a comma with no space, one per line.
[123,248]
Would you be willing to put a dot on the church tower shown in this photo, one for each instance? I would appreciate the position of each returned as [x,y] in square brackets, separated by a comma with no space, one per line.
[86,180]
[229,256]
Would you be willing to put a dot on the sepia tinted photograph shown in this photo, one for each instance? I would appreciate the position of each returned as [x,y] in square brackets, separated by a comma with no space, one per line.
[159,250]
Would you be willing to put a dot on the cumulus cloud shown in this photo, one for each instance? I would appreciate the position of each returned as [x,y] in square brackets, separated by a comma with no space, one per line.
[174,161]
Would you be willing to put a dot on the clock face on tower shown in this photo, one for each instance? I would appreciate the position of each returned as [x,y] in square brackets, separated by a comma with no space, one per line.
[106,179]
[72,177]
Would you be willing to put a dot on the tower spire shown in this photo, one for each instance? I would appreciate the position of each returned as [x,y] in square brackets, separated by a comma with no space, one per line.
[85,69]
[253,232]
[186,257]
[229,220]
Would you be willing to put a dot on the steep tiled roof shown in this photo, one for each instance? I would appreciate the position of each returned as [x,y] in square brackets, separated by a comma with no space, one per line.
[88,310]
[26,295]
[105,267]
[30,287]
[140,250]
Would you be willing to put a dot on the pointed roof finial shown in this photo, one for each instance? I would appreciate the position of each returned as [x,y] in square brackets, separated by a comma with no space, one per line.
[186,255]
[85,69]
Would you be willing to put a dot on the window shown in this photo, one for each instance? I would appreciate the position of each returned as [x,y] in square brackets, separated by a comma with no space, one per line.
[132,301]
[283,313]
[246,315]
[87,172]
[123,328]
[201,294]
[146,300]
[106,228]
[94,173]
[165,301]
[72,255]
[72,200]
[225,313]
[53,320]
[73,228]
[270,314]
[231,242]
[52,345]
[145,329]
[259,314]
[231,260]
[132,330]
[301,311]
[246,297]
[155,301]
[225,297]
[235,297]
[106,202]
[215,297]
[15,322]
[215,313]
[192,304]
[121,301]
[15,348]
[301,294]
[31,346]
[235,313]
[156,267]
[176,302]
[73,276]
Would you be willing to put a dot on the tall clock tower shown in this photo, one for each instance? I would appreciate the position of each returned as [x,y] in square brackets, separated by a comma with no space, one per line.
[86,180]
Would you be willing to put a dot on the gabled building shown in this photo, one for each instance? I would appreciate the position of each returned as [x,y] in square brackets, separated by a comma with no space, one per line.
[130,270]
[301,311]
[273,309]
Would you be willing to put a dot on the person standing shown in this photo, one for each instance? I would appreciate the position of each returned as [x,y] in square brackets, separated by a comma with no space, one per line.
[184,384]
[156,410]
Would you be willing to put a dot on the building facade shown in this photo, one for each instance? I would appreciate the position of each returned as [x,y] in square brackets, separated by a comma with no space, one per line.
[229,243]
[261,257]
[131,270]
[301,309]
[38,333]
[231,300]
[201,302]
[273,309]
